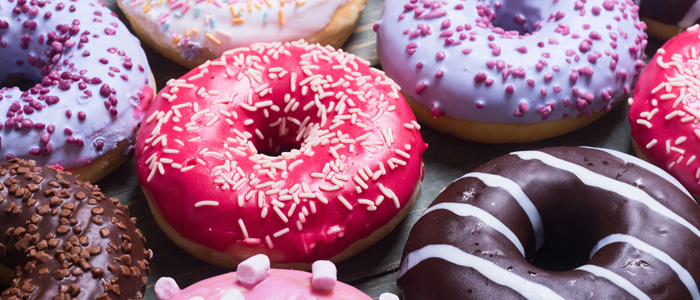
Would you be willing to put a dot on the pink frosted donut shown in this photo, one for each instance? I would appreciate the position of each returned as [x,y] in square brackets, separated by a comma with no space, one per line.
[513,70]
[293,150]
[665,111]
[93,85]
[258,281]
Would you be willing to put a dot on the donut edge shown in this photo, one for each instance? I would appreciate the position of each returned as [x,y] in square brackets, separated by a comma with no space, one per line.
[335,33]
[225,260]
[494,133]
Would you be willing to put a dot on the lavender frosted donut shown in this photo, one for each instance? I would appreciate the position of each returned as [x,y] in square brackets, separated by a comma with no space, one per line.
[513,70]
[93,84]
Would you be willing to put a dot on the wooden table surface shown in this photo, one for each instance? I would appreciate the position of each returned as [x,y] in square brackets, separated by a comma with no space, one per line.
[373,270]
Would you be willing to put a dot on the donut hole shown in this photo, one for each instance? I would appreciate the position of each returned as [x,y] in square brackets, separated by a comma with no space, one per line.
[557,256]
[521,20]
[20,81]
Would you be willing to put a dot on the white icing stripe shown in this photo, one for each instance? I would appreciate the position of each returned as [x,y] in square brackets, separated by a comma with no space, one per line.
[682,273]
[514,189]
[629,159]
[616,279]
[594,179]
[466,210]
[493,272]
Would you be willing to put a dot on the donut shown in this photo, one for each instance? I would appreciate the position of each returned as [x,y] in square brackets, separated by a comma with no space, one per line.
[535,71]
[630,224]
[65,239]
[664,110]
[255,280]
[93,85]
[190,32]
[665,19]
[291,150]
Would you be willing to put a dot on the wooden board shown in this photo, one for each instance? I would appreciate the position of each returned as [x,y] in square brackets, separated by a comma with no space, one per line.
[373,270]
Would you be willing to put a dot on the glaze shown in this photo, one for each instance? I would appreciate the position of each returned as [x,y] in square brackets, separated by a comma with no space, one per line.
[274,284]
[219,25]
[664,109]
[621,216]
[344,152]
[93,81]
[513,61]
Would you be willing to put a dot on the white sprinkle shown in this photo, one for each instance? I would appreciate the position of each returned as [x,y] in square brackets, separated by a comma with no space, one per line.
[651,144]
[281,232]
[345,202]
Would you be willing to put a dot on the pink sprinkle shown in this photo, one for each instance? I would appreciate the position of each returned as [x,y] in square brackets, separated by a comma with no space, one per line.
[588,96]
[480,105]
[592,58]
[573,77]
[411,45]
[524,107]
[480,77]
[467,50]
[490,64]
[434,14]
[521,49]
[609,4]
[489,82]
[440,55]
[421,87]
[594,35]
[518,113]
[510,89]
[588,71]
[254,269]
[459,6]
[446,33]
[559,15]
[445,24]
[556,89]
[548,76]
[543,91]
[596,10]
[531,82]
[419,65]
[584,47]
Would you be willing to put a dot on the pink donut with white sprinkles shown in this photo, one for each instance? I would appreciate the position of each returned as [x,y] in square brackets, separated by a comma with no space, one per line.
[665,111]
[93,85]
[292,150]
[511,62]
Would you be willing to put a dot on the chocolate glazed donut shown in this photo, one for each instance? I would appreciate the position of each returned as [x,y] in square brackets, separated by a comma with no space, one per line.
[636,227]
[65,239]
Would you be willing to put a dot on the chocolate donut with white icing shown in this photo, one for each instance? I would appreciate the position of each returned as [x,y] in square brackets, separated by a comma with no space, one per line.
[633,224]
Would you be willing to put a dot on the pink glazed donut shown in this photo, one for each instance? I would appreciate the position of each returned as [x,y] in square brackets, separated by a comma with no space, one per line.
[665,111]
[93,85]
[255,280]
[296,151]
[513,70]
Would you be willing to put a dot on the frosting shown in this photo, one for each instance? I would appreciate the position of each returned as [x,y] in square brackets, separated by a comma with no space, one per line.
[344,152]
[633,225]
[664,110]
[276,285]
[681,272]
[220,25]
[65,239]
[93,81]
[532,62]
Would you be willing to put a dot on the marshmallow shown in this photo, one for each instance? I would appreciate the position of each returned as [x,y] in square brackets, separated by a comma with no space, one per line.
[166,288]
[324,275]
[254,269]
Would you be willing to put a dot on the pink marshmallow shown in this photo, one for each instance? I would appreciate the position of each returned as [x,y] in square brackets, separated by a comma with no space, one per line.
[324,275]
[166,288]
[254,269]
[388,296]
